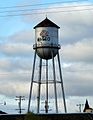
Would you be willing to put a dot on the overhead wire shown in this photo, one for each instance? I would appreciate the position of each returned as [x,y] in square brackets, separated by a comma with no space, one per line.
[27,10]
[46,12]
[42,4]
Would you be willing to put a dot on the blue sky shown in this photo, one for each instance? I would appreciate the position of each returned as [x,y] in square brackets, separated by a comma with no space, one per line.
[16,53]
[6,22]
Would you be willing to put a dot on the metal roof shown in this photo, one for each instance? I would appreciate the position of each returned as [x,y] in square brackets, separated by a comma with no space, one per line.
[46,23]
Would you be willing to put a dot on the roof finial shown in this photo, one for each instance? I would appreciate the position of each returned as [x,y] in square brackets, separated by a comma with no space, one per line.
[46,15]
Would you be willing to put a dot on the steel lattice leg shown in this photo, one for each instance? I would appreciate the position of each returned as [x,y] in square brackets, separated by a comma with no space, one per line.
[30,94]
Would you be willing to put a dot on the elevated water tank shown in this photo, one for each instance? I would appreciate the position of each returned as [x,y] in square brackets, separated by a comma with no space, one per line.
[46,39]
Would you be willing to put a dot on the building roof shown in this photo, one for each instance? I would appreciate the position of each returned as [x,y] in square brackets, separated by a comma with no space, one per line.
[46,23]
[87,107]
[1,112]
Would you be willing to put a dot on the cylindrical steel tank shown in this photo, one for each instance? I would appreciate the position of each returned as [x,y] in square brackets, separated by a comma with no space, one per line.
[46,39]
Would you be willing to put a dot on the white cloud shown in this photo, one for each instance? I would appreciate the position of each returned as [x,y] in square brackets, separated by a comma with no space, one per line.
[12,89]
[17,64]
[25,36]
[16,50]
[78,79]
[79,52]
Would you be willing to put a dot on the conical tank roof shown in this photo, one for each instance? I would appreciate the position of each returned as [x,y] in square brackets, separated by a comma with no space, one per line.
[46,23]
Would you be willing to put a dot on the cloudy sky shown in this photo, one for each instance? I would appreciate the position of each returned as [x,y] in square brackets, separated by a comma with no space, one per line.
[17,19]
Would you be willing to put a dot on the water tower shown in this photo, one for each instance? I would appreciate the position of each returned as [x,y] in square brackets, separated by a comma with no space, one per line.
[47,49]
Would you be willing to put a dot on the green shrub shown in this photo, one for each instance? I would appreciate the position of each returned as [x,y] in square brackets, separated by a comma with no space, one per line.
[32,116]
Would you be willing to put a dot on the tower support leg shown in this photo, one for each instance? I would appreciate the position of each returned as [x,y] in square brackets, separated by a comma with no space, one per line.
[54,77]
[30,94]
[39,86]
[46,102]
[63,93]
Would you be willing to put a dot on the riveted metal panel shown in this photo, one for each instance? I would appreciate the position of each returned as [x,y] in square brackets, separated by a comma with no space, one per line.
[46,39]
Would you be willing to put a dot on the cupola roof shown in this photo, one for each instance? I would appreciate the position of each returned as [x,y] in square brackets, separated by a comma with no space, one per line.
[46,23]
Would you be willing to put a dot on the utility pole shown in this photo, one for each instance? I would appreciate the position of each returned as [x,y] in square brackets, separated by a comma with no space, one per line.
[80,106]
[20,98]
[3,103]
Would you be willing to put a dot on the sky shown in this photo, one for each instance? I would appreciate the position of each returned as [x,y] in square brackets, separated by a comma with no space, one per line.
[75,18]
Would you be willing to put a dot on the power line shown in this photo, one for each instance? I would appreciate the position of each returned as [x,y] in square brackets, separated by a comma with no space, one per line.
[50,12]
[41,4]
[37,11]
[27,10]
